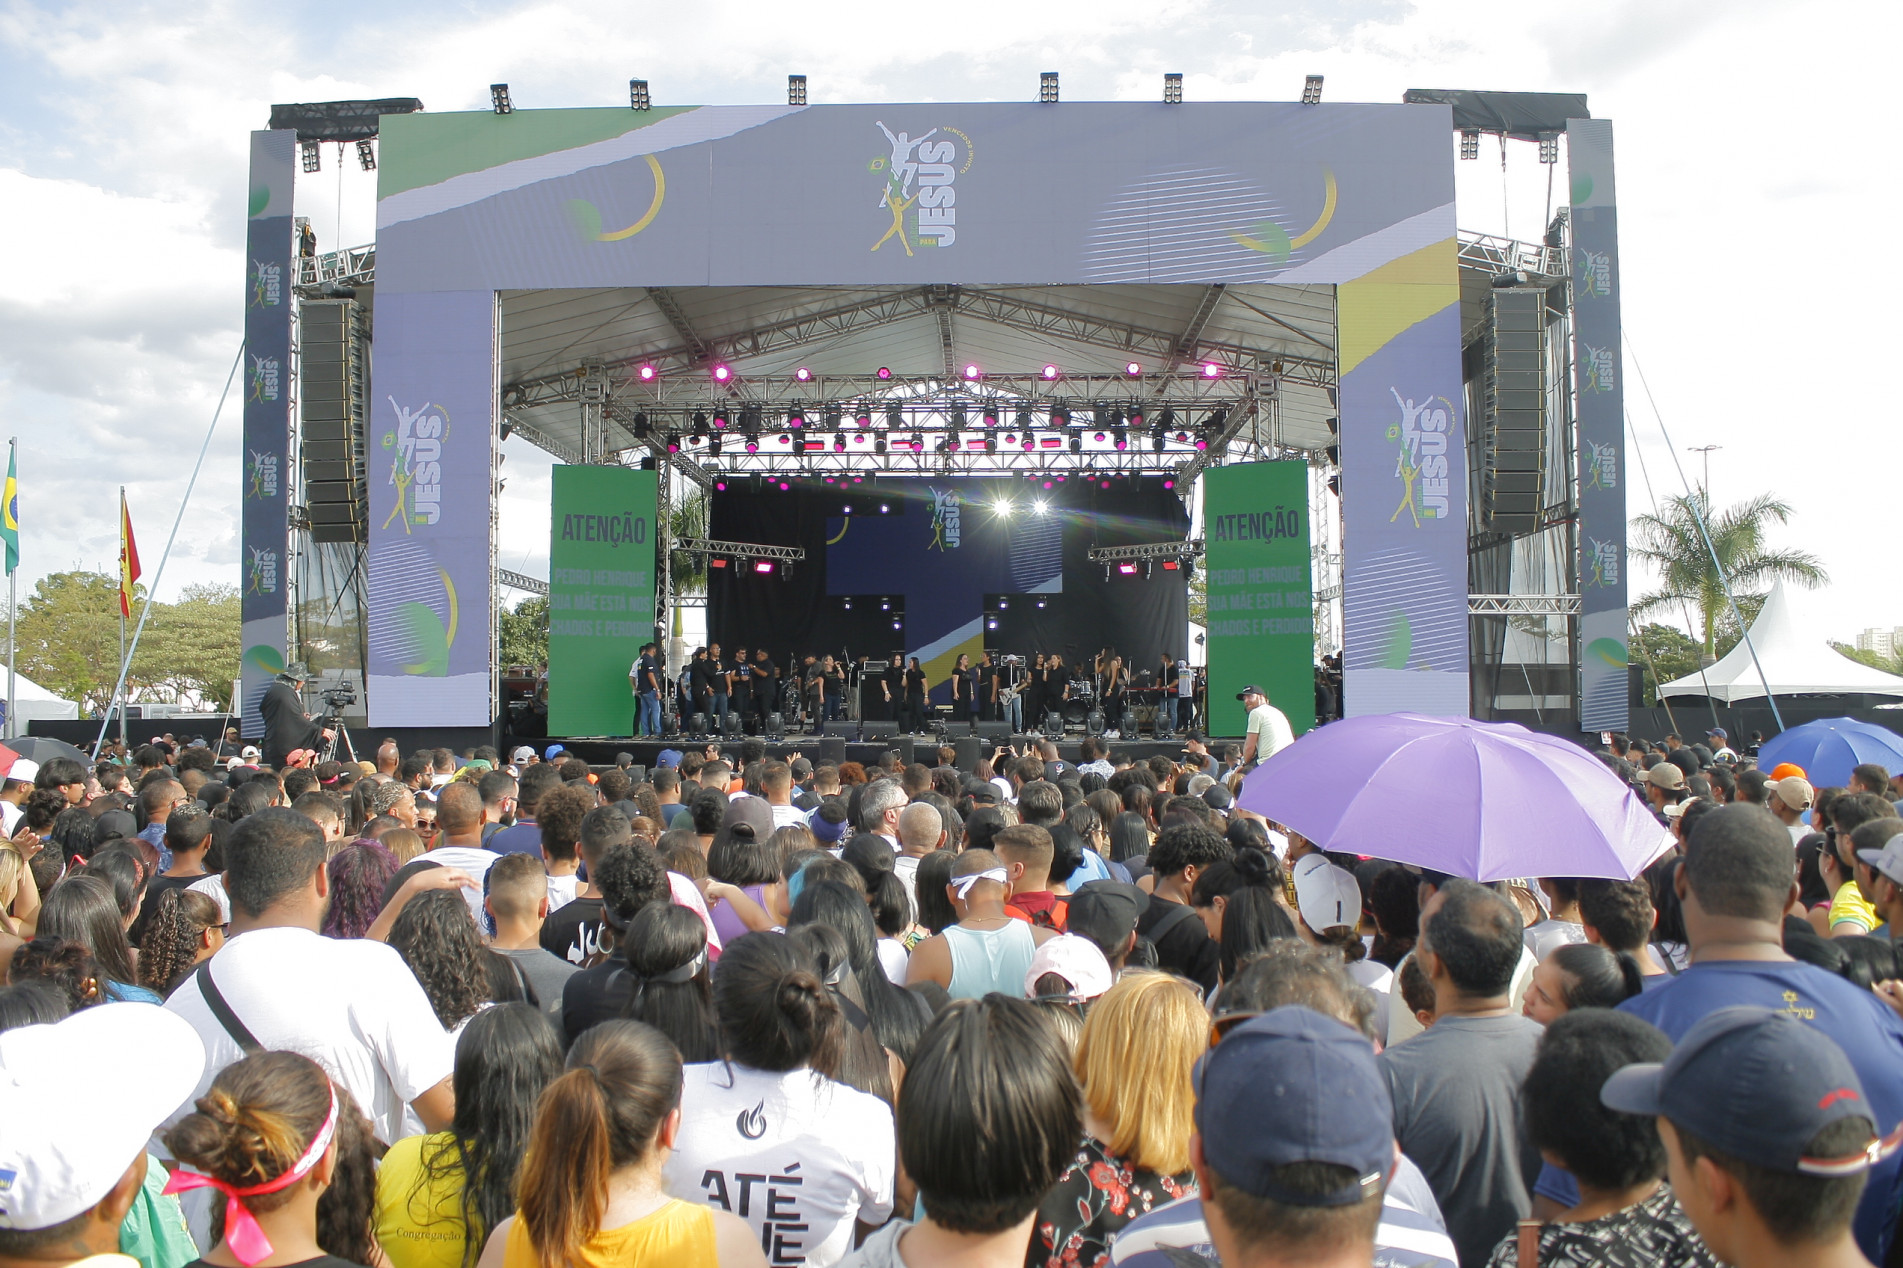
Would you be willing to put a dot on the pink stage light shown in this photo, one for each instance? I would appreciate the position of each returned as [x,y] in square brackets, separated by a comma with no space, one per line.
[722,373]
[1128,570]
[647,374]
[803,374]
[971,371]
[884,373]
[765,565]
[1212,370]
[1133,369]
[1050,371]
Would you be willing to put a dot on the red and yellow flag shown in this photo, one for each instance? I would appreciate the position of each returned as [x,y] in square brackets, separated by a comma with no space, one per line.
[128,557]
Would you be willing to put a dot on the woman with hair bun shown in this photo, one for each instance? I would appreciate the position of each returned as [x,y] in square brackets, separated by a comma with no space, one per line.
[772,1132]
[1581,975]
[293,1159]
[590,1189]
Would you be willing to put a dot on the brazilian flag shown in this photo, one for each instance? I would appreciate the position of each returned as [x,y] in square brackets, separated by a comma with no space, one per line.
[10,514]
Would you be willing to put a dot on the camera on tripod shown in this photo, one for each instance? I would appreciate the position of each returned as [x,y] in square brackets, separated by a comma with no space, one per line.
[338,698]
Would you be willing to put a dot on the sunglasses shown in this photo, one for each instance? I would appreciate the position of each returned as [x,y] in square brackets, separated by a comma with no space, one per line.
[1222,1023]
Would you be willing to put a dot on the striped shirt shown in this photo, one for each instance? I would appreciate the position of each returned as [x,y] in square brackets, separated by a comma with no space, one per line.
[1411,1235]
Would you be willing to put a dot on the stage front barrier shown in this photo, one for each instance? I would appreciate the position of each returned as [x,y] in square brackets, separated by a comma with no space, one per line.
[600,595]
[1261,616]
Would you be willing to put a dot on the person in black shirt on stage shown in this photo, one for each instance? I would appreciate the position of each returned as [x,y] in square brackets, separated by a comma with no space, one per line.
[892,689]
[832,683]
[740,688]
[764,679]
[287,727]
[914,712]
[986,696]
[695,683]
[961,679]
[719,679]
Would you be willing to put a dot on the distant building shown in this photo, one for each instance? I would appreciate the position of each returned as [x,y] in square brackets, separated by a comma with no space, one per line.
[1883,642]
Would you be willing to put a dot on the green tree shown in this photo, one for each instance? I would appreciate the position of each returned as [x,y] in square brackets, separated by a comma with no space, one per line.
[68,636]
[524,633]
[1671,542]
[1875,660]
[1663,654]
[191,648]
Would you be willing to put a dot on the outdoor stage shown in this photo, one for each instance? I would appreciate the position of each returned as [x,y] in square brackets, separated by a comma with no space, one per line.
[602,751]
[938,380]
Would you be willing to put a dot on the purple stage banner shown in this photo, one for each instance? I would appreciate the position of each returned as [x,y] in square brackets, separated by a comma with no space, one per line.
[431,458]
[1599,387]
[1404,487]
[264,517]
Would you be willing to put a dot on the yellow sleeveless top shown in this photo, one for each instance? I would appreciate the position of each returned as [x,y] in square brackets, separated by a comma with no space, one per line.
[678,1235]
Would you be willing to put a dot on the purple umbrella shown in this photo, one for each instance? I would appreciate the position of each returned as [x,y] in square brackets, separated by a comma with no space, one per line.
[1485,800]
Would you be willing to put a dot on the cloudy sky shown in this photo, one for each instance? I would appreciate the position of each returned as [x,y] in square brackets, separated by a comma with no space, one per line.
[1752,192]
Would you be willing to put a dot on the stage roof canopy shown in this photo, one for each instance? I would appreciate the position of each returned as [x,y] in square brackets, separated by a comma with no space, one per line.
[1273,348]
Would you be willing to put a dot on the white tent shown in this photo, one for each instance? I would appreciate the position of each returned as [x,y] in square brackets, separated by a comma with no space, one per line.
[34,703]
[1797,661]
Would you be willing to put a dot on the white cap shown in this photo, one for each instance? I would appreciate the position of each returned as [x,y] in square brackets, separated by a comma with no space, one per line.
[523,755]
[1076,960]
[74,1121]
[250,753]
[24,769]
[1326,895]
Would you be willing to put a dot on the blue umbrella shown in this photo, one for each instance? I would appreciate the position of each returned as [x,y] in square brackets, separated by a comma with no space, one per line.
[1829,748]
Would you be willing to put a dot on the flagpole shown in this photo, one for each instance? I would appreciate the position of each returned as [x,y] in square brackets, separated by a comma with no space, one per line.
[185,501]
[13,695]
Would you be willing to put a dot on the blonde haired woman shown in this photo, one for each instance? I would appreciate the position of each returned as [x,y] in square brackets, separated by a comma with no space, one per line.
[1140,1042]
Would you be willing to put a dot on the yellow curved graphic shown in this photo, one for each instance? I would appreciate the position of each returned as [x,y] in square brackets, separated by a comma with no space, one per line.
[449,588]
[1328,213]
[1281,248]
[846,524]
[660,192]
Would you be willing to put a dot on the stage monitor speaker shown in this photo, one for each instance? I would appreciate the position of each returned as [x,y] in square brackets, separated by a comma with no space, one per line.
[1023,743]
[905,747]
[994,733]
[971,750]
[832,748]
[880,732]
[841,727]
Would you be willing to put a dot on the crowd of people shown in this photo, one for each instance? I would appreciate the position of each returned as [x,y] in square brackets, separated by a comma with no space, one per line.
[451,1011]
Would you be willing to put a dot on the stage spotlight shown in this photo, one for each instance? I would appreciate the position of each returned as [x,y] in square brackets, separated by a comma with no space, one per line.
[1040,507]
[991,622]
[1312,91]
[784,486]
[991,444]
[863,416]
[1212,370]
[700,425]
[958,416]
[1030,443]
[1172,89]
[883,374]
[764,565]
[894,416]
[1165,420]
[1169,482]
[796,90]
[830,419]
[885,605]
[1076,444]
[803,374]
[1040,605]
[1470,143]
[990,417]
[722,373]
[1023,420]
[312,152]
[720,417]
[499,99]
[1099,437]
[1157,442]
[638,98]
[848,603]
[839,444]
[720,484]
[366,154]
[1002,507]
[1549,147]
[1003,604]
[1050,372]
[971,372]
[648,372]
[878,446]
[1047,88]
[1136,418]
[1133,370]
[845,508]
[713,446]
[796,417]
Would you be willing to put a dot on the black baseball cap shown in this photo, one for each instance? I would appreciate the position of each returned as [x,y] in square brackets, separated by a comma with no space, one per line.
[1757,1085]
[1106,912]
[1251,690]
[1294,1086]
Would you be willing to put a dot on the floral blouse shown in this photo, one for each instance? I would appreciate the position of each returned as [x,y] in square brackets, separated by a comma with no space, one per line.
[1091,1202]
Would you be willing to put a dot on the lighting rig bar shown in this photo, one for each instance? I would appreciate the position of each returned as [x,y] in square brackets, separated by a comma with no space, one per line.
[645,384]
[1523,605]
[1191,549]
[741,550]
[521,581]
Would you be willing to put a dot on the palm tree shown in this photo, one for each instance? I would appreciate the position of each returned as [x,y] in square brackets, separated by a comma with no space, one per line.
[688,569]
[1671,543]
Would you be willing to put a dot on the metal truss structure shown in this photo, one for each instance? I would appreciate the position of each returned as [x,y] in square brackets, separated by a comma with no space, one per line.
[521,581]
[1523,605]
[741,550]
[351,267]
[1191,549]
